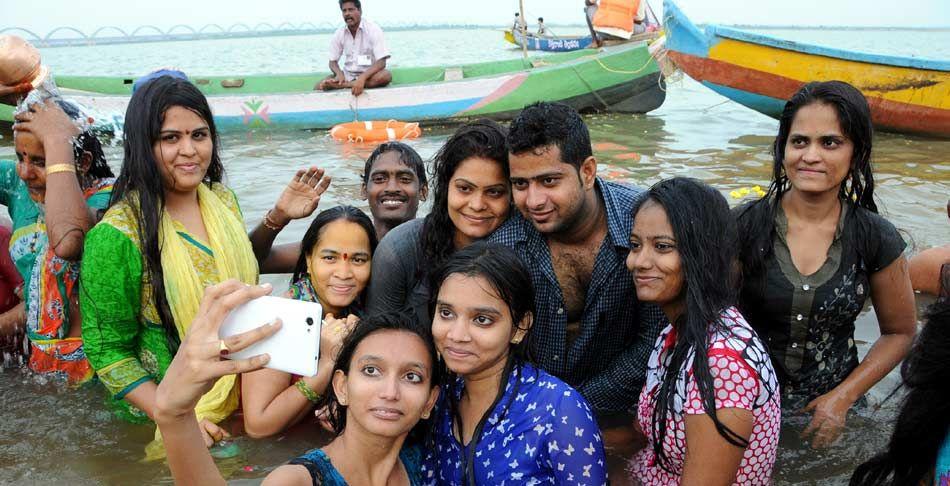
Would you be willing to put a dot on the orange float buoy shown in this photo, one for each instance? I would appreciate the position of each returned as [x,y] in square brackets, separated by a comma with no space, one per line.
[375,131]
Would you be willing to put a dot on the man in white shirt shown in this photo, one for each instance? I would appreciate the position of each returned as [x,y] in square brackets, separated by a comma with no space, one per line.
[542,30]
[361,42]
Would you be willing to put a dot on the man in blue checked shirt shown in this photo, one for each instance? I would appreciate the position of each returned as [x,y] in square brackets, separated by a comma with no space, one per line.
[573,232]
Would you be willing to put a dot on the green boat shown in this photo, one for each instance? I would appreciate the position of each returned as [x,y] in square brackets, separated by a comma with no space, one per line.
[624,78]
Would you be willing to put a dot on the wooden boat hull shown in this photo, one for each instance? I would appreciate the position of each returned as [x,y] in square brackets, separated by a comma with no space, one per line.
[906,95]
[626,77]
[549,44]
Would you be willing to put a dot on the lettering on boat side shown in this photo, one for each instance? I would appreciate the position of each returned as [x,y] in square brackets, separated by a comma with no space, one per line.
[564,43]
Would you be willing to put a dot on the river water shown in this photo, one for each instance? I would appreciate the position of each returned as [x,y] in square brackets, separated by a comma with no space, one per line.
[54,435]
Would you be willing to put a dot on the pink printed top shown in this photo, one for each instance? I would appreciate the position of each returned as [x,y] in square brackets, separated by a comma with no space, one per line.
[361,51]
[743,377]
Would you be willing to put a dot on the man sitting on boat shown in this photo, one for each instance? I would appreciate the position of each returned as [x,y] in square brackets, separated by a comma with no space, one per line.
[542,30]
[362,42]
[617,19]
[518,25]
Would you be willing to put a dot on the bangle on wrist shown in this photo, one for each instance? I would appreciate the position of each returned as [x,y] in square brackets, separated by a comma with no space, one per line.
[270,224]
[307,392]
[52,169]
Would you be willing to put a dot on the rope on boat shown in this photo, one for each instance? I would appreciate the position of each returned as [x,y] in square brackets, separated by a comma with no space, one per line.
[619,71]
[590,88]
[610,70]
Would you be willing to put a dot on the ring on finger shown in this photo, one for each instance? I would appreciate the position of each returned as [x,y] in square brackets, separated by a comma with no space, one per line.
[223,348]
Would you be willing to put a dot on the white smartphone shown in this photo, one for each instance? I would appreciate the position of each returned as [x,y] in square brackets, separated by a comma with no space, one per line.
[295,348]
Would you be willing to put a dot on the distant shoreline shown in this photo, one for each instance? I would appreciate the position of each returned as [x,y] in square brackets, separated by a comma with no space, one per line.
[155,34]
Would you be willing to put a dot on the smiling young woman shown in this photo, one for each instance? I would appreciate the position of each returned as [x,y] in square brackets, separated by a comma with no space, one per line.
[471,198]
[160,245]
[814,249]
[501,418]
[710,406]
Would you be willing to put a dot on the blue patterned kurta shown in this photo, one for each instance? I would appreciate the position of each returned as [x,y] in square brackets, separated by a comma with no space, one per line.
[541,432]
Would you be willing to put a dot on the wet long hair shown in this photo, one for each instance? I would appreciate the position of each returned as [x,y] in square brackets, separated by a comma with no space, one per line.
[141,174]
[706,242]
[923,423]
[389,321]
[757,220]
[87,141]
[509,279]
[481,138]
[312,237]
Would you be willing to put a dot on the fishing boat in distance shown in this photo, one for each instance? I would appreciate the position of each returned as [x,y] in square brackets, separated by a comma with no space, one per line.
[549,44]
[623,78]
[906,94]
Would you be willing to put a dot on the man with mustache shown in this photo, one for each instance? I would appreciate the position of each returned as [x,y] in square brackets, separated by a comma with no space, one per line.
[362,42]
[394,181]
[572,230]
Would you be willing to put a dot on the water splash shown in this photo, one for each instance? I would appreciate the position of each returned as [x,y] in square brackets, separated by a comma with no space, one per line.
[14,350]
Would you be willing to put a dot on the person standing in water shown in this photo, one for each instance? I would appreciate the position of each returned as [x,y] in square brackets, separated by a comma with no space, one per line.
[812,251]
[394,182]
[572,230]
[385,382]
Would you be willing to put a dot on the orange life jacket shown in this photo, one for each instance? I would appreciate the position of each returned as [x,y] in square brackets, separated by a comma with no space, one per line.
[615,17]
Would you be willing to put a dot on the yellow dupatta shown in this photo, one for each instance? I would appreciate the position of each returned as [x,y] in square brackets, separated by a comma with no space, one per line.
[233,258]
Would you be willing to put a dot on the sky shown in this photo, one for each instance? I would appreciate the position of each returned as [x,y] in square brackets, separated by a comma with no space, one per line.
[87,15]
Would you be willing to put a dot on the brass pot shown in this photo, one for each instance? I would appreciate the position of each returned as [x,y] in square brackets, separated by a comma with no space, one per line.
[20,62]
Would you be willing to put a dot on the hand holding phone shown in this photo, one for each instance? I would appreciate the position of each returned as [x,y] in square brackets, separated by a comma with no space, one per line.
[295,347]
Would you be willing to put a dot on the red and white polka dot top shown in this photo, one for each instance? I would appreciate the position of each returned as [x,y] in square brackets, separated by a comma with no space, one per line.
[743,377]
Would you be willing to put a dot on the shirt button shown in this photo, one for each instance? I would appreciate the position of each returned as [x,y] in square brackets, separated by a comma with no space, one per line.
[560,310]
[794,345]
[555,357]
[799,317]
[806,287]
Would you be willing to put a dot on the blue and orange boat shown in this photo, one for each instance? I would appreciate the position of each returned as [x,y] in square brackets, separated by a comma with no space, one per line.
[906,94]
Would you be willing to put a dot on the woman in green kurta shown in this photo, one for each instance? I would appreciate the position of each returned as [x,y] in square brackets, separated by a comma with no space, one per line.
[172,230]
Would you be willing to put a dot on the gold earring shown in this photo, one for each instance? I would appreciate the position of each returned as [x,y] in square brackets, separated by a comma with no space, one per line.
[425,415]
[516,340]
[342,401]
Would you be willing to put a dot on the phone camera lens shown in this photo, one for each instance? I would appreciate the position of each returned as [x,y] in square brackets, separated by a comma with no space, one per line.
[309,321]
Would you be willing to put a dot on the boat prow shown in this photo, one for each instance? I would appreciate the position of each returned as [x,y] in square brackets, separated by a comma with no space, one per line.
[906,95]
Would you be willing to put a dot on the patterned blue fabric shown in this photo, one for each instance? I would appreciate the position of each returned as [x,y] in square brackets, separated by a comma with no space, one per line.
[607,362]
[942,471]
[324,474]
[540,432]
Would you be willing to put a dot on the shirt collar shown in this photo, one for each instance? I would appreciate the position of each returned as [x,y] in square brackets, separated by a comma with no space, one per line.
[781,221]
[618,224]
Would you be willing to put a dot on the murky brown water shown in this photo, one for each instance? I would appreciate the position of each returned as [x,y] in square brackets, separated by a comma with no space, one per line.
[53,435]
